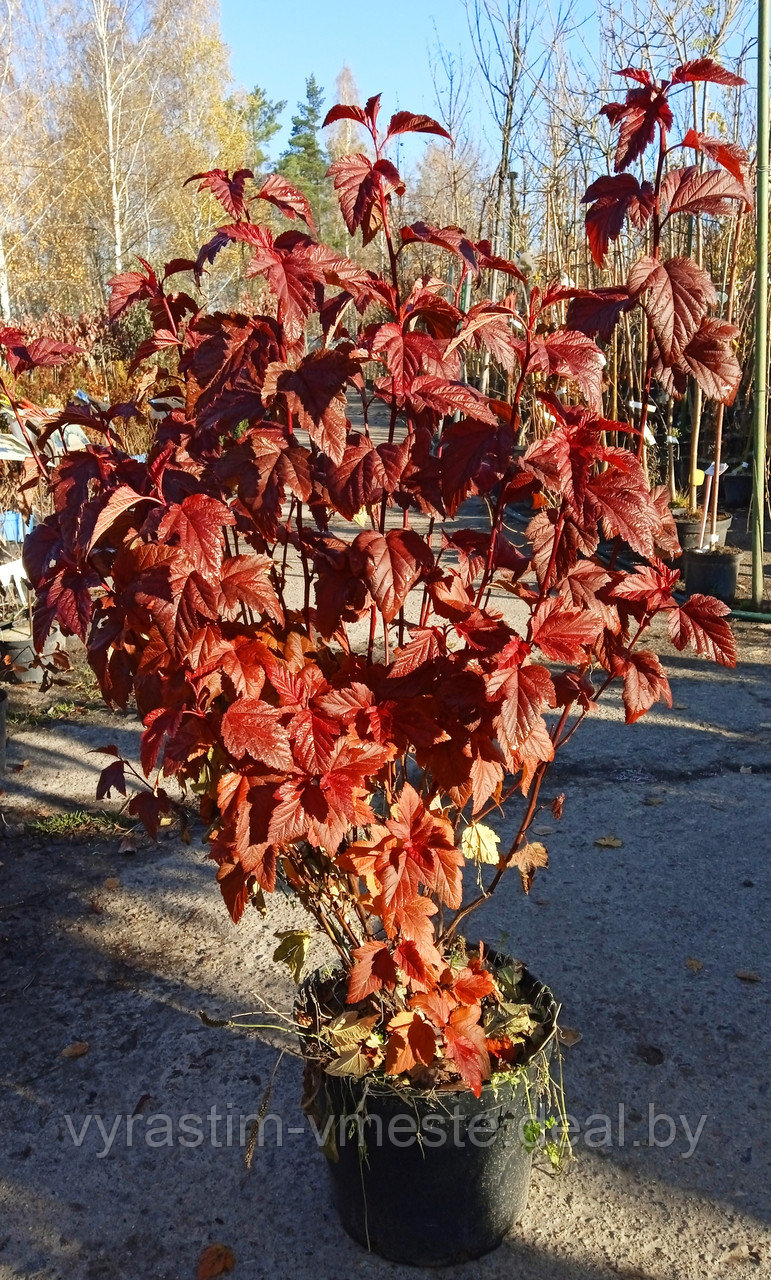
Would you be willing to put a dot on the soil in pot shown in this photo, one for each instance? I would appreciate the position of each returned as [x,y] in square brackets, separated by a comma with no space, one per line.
[432,1177]
[689,528]
[712,573]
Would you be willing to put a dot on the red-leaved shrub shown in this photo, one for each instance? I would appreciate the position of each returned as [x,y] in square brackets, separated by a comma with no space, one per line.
[310,628]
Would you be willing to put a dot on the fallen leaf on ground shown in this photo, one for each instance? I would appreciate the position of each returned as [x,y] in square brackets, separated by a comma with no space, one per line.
[653,800]
[17,768]
[215,1261]
[745,768]
[112,882]
[694,965]
[568,1036]
[76,1049]
[608,842]
[747,975]
[741,1253]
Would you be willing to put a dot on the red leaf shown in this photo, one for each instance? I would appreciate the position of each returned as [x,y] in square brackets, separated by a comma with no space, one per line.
[732,157]
[701,622]
[711,359]
[231,878]
[130,287]
[315,392]
[449,238]
[250,727]
[524,691]
[679,294]
[426,644]
[391,565]
[360,477]
[688,191]
[472,984]
[466,1047]
[361,187]
[345,111]
[644,682]
[621,500]
[406,122]
[451,397]
[569,354]
[564,635]
[639,115]
[122,499]
[635,73]
[149,807]
[373,970]
[286,197]
[113,775]
[246,580]
[197,524]
[596,312]
[613,198]
[229,191]
[705,69]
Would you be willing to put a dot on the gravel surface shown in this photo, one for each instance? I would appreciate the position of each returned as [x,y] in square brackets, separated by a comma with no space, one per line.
[642,942]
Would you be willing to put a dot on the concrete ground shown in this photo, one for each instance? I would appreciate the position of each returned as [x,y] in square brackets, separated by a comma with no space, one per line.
[659,949]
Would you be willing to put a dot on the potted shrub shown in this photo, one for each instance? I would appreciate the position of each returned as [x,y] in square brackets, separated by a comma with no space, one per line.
[352,678]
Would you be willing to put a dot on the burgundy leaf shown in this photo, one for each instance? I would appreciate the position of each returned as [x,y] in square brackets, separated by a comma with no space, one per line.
[286,197]
[406,122]
[706,69]
[228,190]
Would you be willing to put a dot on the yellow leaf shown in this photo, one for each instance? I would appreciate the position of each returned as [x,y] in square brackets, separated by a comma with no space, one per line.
[608,842]
[355,1062]
[215,1261]
[293,950]
[480,843]
[349,1030]
[360,518]
[694,965]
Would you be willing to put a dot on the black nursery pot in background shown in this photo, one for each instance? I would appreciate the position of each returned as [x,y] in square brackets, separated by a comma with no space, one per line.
[712,573]
[432,1178]
[689,529]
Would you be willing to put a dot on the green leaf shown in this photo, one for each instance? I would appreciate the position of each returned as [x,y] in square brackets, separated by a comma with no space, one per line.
[293,950]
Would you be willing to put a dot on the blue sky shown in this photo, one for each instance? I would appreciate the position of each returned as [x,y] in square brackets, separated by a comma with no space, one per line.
[386,47]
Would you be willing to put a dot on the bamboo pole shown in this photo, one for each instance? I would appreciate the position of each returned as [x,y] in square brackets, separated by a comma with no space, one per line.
[761,306]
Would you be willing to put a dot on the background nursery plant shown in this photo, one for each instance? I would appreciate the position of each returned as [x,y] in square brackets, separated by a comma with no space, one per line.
[310,626]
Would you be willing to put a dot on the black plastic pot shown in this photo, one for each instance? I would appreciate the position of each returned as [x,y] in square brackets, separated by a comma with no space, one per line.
[689,530]
[433,1178]
[736,491]
[712,573]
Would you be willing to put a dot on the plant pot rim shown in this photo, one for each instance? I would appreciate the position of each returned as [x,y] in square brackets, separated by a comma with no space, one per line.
[706,552]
